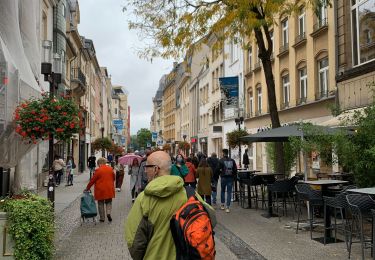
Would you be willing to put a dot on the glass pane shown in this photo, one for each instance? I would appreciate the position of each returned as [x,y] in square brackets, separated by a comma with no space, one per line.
[354,37]
[366,23]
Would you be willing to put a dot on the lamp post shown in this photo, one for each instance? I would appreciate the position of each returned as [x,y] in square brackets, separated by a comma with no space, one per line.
[239,121]
[185,150]
[102,130]
[54,78]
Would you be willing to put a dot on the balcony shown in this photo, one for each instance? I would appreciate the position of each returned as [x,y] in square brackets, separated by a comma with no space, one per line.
[284,49]
[300,40]
[78,82]
[301,101]
[257,65]
[284,105]
[320,27]
[321,95]
[258,113]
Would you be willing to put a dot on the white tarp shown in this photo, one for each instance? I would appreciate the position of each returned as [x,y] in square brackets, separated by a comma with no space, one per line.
[20,67]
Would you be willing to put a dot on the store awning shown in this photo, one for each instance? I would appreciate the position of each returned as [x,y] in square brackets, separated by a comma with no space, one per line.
[282,134]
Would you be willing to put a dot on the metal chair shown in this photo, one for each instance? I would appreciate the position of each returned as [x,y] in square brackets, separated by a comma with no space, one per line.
[360,207]
[282,192]
[338,203]
[243,182]
[314,199]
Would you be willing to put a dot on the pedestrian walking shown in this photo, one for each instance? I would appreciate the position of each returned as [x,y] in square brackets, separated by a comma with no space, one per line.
[133,172]
[110,159]
[91,163]
[190,178]
[245,159]
[179,168]
[104,190]
[194,160]
[70,167]
[213,162]
[58,165]
[147,228]
[120,172]
[204,175]
[228,171]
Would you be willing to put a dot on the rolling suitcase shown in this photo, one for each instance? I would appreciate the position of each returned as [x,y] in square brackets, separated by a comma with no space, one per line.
[88,207]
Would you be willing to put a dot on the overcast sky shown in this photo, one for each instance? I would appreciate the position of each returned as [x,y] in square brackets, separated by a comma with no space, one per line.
[104,22]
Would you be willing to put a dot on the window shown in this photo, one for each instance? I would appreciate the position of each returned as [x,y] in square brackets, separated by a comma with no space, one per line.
[363,37]
[284,25]
[251,103]
[323,77]
[250,58]
[259,94]
[115,111]
[302,84]
[233,52]
[286,90]
[272,40]
[301,23]
[322,12]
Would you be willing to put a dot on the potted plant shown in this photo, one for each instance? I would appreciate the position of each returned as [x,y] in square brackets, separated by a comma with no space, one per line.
[101,144]
[38,118]
[30,221]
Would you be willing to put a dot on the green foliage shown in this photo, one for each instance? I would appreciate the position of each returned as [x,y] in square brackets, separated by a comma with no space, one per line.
[31,225]
[233,137]
[143,137]
[101,143]
[290,155]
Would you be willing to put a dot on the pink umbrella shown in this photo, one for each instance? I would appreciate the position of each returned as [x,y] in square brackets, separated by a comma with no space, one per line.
[129,158]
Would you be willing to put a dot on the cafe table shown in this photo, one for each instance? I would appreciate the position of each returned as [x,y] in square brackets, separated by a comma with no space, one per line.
[324,184]
[269,213]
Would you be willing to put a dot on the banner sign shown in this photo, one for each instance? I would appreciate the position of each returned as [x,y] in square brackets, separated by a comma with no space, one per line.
[119,124]
[229,90]
[154,136]
[123,140]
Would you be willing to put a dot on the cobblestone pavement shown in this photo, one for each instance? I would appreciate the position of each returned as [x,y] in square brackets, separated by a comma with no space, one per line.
[242,234]
[106,240]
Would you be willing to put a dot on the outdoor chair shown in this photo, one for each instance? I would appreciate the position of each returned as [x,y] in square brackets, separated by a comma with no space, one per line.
[282,194]
[314,199]
[360,207]
[243,179]
[339,206]
[256,184]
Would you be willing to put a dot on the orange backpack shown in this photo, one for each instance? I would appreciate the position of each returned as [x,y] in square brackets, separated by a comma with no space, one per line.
[192,230]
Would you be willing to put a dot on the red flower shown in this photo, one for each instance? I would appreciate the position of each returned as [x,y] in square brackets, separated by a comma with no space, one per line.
[66,123]
[64,113]
[72,125]
[23,133]
[58,107]
[59,130]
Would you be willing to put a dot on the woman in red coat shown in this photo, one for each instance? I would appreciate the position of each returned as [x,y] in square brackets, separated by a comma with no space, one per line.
[104,190]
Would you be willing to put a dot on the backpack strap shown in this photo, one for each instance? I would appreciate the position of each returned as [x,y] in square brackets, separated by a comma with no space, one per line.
[190,191]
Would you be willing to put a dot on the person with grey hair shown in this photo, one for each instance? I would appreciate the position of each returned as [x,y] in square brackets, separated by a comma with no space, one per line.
[147,229]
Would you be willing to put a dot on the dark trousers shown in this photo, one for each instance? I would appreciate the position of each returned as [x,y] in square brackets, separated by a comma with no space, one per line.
[207,198]
[58,175]
[70,179]
[119,180]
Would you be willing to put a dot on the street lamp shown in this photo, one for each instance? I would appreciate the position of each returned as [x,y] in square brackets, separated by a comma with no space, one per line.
[239,121]
[54,78]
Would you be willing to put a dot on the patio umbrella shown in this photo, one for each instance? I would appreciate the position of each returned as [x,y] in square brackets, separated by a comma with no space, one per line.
[129,158]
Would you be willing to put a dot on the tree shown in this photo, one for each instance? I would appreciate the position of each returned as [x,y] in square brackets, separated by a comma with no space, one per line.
[143,137]
[174,26]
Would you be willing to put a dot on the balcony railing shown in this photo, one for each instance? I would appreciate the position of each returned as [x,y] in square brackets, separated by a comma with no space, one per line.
[301,101]
[257,65]
[321,95]
[300,38]
[78,76]
[320,24]
[284,105]
[283,49]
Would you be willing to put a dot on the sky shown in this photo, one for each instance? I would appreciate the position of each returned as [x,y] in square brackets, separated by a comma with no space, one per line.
[104,22]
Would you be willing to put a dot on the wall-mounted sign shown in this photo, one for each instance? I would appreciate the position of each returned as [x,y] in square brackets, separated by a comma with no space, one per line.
[229,90]
[118,124]
[154,136]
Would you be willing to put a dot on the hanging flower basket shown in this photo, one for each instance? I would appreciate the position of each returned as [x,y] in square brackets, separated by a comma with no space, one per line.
[101,143]
[184,145]
[167,147]
[36,119]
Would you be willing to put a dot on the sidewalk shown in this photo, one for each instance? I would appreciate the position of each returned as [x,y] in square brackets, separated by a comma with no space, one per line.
[241,234]
[103,240]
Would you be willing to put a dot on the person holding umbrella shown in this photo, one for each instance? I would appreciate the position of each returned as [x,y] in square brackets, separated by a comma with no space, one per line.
[120,172]
[134,180]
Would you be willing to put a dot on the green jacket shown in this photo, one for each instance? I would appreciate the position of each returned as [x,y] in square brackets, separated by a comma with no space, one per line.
[147,230]
[182,172]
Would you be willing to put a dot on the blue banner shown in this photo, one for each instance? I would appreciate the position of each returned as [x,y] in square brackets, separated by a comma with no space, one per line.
[119,124]
[154,136]
[229,88]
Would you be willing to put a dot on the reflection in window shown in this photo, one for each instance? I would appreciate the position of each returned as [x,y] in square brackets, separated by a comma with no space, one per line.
[363,31]
[286,90]
[323,77]
[302,84]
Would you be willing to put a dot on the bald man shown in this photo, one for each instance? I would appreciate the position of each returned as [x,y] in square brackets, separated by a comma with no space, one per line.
[147,229]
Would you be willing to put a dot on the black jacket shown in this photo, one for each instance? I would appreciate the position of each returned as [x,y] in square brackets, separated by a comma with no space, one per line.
[245,159]
[213,162]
